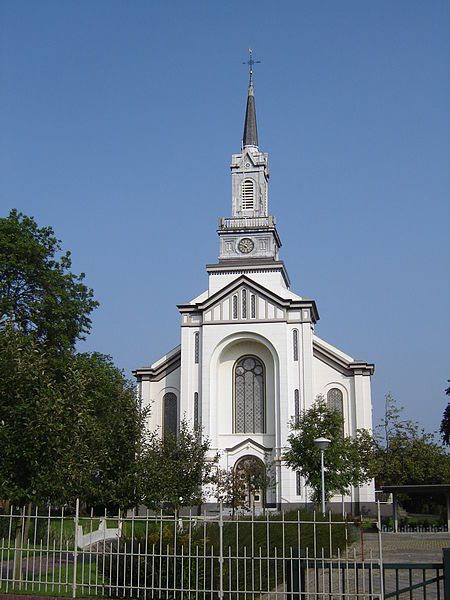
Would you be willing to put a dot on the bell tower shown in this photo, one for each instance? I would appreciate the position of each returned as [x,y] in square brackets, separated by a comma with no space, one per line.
[250,233]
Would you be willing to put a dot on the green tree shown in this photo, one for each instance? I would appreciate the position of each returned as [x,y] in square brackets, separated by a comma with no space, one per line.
[405,453]
[348,460]
[70,426]
[445,423]
[174,470]
[38,292]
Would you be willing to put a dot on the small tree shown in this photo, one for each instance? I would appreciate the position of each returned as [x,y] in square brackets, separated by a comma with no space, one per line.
[445,423]
[174,470]
[405,453]
[235,487]
[349,460]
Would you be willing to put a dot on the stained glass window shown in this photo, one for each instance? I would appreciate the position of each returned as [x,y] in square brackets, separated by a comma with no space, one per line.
[296,408]
[197,348]
[170,414]
[249,394]
[235,307]
[298,484]
[196,412]
[244,304]
[295,343]
[335,400]
[253,307]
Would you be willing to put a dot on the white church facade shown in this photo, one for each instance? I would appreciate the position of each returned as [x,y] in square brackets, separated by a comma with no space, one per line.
[249,360]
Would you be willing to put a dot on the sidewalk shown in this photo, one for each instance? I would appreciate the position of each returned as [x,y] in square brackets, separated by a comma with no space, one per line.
[403,547]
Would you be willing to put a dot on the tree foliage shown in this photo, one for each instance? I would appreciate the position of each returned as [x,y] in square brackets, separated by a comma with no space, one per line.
[174,469]
[70,426]
[38,292]
[348,460]
[405,453]
[445,423]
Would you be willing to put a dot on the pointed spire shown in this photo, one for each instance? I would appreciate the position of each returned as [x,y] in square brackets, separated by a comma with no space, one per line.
[250,137]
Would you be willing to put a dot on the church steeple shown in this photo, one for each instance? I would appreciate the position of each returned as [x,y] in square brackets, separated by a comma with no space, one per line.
[249,240]
[250,137]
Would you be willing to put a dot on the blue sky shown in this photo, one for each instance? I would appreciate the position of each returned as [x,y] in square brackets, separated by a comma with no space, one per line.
[118,120]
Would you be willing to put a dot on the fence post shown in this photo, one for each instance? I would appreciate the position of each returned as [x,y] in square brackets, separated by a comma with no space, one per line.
[75,550]
[446,562]
[221,550]
[295,574]
[380,550]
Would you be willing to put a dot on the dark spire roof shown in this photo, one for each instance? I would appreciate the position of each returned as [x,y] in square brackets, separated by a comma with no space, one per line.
[250,137]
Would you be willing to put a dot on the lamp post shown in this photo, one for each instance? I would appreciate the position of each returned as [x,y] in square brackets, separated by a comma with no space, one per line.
[322,443]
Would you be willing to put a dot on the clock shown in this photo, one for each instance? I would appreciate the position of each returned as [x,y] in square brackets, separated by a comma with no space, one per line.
[246,245]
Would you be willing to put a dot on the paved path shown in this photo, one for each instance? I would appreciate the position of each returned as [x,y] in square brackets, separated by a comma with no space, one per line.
[403,547]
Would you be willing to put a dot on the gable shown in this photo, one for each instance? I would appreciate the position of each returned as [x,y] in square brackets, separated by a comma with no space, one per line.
[243,304]
[244,300]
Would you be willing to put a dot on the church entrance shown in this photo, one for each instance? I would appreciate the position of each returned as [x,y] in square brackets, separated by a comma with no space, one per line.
[251,482]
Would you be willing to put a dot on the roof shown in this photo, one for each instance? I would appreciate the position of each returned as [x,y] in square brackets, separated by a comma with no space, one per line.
[250,137]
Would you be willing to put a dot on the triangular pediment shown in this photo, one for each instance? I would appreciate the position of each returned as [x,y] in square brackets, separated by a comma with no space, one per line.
[243,300]
[249,444]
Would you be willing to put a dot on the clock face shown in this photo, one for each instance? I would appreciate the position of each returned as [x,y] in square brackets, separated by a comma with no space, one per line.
[246,245]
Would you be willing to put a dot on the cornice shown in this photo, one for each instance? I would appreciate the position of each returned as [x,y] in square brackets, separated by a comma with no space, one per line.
[256,265]
[348,368]
[163,369]
[248,230]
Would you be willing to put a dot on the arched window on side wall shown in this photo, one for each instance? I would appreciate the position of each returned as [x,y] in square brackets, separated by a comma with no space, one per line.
[170,414]
[249,395]
[335,400]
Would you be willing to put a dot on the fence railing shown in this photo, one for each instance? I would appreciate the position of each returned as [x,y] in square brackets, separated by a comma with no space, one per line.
[184,556]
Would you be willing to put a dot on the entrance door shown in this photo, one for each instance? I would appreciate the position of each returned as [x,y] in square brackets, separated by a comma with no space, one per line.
[251,481]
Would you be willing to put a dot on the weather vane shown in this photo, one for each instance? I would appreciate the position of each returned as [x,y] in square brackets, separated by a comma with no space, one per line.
[250,62]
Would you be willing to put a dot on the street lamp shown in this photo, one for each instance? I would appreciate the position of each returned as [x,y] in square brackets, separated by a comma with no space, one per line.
[322,443]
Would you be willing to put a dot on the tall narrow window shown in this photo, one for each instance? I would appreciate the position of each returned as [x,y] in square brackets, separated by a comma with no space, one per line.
[244,304]
[296,408]
[170,414]
[196,348]
[253,307]
[298,484]
[235,307]
[295,343]
[248,194]
[196,412]
[249,395]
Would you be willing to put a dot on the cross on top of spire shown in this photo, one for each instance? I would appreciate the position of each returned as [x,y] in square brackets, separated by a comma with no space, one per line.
[250,62]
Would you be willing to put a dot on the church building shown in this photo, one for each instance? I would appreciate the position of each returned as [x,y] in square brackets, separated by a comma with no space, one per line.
[250,360]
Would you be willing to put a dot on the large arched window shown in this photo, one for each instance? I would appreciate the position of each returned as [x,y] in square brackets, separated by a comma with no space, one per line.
[249,395]
[170,414]
[248,194]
